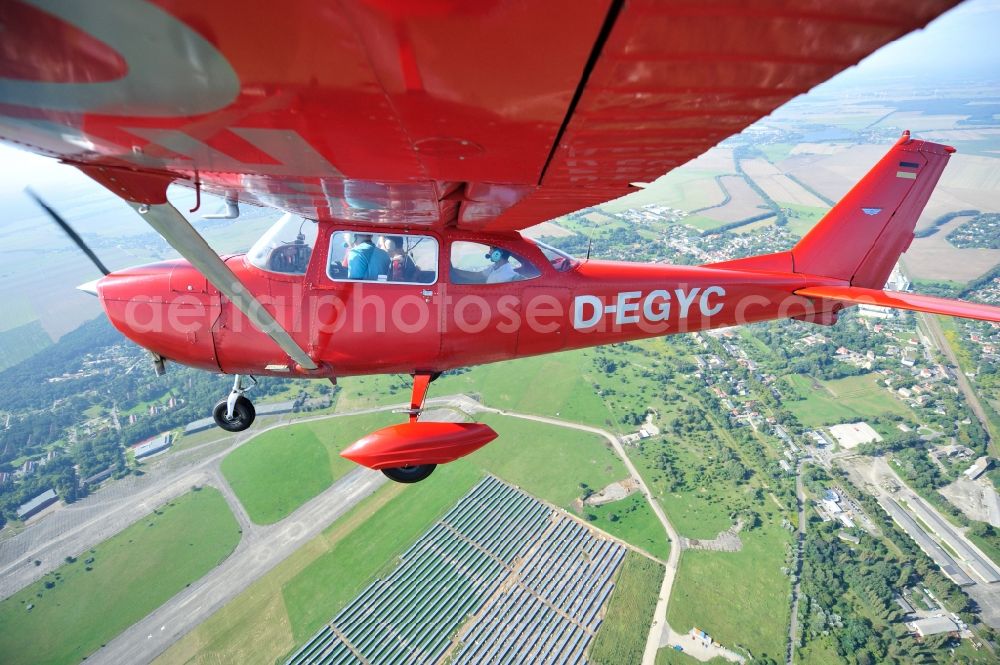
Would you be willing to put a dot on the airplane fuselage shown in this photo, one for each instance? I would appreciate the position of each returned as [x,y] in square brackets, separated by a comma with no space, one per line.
[372,327]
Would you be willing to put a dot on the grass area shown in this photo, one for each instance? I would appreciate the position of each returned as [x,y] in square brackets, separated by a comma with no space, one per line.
[703,223]
[281,609]
[552,463]
[554,385]
[674,657]
[118,582]
[371,550]
[753,227]
[842,400]
[739,598]
[801,218]
[276,472]
[620,638]
[819,651]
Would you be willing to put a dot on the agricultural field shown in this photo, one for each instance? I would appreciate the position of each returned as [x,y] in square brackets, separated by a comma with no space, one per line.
[850,399]
[934,258]
[744,202]
[689,187]
[279,470]
[86,602]
[620,639]
[777,185]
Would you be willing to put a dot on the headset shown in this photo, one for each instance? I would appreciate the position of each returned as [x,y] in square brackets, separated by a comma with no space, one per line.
[495,254]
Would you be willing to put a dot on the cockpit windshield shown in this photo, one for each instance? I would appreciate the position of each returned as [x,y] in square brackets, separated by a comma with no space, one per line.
[559,259]
[286,246]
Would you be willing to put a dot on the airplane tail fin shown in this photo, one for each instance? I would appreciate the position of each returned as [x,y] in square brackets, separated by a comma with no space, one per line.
[862,237]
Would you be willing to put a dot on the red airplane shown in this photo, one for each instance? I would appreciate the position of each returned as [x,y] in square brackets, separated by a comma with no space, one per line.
[410,142]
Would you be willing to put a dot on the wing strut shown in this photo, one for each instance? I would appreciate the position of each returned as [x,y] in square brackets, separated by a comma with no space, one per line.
[147,193]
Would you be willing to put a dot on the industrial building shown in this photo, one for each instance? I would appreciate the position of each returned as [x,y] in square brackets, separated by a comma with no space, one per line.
[932,626]
[152,446]
[978,468]
[31,508]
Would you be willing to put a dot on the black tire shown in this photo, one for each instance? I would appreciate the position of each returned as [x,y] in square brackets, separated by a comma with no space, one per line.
[243,415]
[409,474]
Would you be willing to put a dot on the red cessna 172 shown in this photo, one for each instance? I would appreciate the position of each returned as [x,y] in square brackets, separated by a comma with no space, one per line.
[410,141]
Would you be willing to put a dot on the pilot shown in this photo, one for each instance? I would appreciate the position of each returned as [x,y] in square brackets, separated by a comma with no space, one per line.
[365,260]
[500,270]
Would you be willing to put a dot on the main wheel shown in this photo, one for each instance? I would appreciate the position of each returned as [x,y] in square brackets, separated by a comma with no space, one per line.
[409,474]
[243,415]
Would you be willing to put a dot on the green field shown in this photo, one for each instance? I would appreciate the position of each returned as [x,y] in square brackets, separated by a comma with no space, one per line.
[129,575]
[842,400]
[739,598]
[551,462]
[284,607]
[801,218]
[621,638]
[281,469]
[554,385]
[333,579]
[672,657]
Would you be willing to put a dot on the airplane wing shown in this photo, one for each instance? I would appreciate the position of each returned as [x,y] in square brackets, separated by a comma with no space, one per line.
[492,115]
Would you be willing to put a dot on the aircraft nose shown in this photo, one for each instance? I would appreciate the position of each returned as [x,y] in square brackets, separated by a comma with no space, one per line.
[144,305]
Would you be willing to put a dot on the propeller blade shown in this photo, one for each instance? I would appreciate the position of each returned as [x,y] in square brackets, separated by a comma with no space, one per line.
[69,231]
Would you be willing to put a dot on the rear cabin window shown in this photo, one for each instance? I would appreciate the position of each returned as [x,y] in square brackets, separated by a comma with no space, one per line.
[383,257]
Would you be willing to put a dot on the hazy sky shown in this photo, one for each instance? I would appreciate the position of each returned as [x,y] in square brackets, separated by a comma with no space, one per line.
[961,45]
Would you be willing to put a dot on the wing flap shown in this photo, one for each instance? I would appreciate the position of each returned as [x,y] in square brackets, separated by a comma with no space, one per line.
[899,300]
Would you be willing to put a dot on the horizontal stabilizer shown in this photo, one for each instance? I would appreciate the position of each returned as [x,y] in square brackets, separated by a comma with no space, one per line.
[899,300]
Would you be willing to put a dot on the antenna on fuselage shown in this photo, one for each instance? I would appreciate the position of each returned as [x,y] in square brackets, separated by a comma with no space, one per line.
[590,243]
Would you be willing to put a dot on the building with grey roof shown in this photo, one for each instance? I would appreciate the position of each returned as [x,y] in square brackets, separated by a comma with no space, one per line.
[36,505]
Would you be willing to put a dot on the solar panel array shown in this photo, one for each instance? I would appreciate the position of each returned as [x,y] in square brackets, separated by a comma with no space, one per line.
[536,581]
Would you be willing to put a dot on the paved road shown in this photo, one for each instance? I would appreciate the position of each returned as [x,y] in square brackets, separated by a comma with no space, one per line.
[868,475]
[260,549]
[793,624]
[659,630]
[75,528]
[937,334]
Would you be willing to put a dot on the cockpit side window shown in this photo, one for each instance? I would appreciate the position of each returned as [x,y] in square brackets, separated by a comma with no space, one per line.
[383,257]
[476,263]
[286,247]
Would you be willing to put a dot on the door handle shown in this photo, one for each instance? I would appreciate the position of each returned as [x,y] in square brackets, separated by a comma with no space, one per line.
[427,293]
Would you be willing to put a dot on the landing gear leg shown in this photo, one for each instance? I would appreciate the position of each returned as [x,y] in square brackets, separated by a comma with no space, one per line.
[413,474]
[236,412]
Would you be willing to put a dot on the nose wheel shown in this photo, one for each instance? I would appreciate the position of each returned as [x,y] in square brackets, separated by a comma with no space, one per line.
[236,412]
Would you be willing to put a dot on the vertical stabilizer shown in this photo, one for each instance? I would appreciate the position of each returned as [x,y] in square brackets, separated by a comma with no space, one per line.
[862,237]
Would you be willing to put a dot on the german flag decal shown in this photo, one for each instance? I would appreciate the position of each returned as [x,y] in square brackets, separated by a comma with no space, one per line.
[908,170]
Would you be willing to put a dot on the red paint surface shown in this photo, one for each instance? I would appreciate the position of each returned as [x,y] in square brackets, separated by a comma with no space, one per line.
[415,443]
